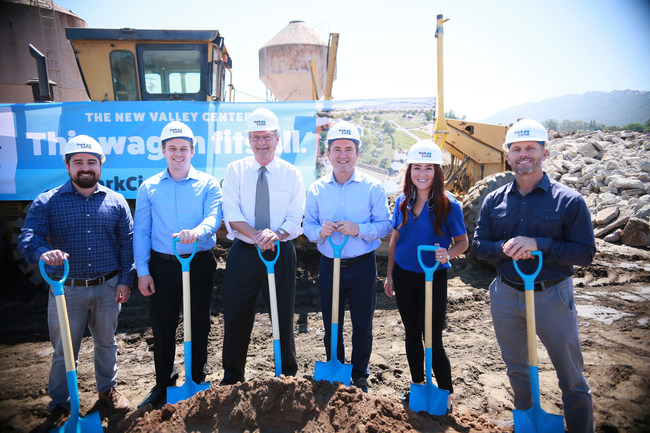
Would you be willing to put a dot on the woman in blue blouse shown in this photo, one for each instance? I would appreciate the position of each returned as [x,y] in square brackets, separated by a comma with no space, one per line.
[424,215]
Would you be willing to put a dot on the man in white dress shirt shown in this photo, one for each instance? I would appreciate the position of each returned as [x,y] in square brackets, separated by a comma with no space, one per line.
[254,219]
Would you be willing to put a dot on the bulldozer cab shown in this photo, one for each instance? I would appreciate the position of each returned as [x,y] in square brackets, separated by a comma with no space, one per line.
[144,65]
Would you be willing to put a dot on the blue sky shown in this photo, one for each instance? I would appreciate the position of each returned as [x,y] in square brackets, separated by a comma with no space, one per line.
[497,54]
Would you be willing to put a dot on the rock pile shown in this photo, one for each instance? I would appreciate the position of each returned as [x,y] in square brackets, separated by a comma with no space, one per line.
[612,171]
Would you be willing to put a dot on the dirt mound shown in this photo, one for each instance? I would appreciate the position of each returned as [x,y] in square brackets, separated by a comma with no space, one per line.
[301,405]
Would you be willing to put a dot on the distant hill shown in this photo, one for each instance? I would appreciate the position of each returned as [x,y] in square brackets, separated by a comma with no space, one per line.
[617,108]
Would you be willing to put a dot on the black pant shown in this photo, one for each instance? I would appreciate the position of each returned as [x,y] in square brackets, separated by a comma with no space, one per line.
[165,306]
[410,296]
[245,275]
[359,286]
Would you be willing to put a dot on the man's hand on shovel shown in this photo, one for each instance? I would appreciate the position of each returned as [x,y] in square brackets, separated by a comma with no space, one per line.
[54,257]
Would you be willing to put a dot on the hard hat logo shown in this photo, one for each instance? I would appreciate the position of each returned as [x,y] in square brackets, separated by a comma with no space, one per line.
[425,154]
[260,122]
[524,133]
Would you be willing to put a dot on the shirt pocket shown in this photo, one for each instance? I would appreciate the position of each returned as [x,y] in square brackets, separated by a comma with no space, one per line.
[501,226]
[547,222]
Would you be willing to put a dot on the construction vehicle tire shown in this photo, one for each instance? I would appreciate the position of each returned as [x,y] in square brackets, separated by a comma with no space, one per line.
[31,272]
[476,195]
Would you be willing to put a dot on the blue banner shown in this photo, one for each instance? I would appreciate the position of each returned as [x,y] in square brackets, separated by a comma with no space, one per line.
[33,138]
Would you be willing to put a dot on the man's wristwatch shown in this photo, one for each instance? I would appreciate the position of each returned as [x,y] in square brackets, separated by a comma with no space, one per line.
[283,234]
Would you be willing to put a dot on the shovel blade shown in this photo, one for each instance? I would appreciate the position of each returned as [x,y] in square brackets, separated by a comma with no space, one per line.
[91,423]
[536,420]
[185,391]
[428,398]
[333,371]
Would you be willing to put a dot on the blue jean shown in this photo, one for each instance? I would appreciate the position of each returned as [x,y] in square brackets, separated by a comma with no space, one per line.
[96,308]
[557,327]
[358,285]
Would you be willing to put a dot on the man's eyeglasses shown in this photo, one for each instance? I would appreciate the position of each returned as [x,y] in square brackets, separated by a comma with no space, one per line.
[257,138]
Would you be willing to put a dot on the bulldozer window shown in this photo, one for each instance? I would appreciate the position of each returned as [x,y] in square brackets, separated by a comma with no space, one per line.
[125,87]
[172,71]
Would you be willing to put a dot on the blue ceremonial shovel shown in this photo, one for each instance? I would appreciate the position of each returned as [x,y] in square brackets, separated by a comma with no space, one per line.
[189,388]
[534,419]
[428,397]
[334,370]
[270,264]
[91,423]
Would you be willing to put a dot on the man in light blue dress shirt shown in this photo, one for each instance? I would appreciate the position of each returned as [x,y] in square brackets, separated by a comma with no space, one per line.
[348,202]
[185,203]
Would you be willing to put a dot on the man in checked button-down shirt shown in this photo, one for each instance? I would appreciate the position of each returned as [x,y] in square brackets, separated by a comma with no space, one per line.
[90,226]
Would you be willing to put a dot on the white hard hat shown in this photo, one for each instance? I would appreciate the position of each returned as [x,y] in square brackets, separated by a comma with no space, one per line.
[424,152]
[525,130]
[84,144]
[344,130]
[262,119]
[176,129]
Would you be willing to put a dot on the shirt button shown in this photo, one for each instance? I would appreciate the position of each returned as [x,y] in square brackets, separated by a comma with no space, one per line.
[88,231]
[87,214]
[89,264]
[89,248]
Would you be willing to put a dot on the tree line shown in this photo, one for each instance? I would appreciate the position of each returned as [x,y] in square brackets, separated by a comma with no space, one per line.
[581,126]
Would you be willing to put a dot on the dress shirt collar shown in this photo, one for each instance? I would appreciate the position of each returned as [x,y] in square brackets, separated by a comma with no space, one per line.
[67,188]
[192,174]
[270,167]
[543,184]
[353,178]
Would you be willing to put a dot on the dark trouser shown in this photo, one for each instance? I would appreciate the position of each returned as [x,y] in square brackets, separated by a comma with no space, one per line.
[245,275]
[358,285]
[409,293]
[165,306]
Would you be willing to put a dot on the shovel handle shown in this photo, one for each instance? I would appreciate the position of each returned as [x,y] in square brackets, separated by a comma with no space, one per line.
[529,279]
[57,286]
[337,248]
[270,264]
[428,271]
[185,261]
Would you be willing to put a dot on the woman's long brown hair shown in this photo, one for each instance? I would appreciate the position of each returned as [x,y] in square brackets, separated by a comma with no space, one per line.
[438,198]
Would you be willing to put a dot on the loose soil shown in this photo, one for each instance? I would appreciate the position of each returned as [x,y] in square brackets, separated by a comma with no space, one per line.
[612,295]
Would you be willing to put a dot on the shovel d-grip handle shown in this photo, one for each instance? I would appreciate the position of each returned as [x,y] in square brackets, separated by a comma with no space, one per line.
[57,286]
[185,261]
[529,279]
[428,271]
[337,248]
[270,264]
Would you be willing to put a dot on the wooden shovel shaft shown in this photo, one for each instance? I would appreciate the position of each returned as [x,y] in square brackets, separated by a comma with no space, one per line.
[66,338]
[274,307]
[187,307]
[336,283]
[530,328]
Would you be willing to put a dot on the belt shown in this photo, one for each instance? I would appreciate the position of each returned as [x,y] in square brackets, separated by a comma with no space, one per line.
[345,263]
[172,257]
[539,285]
[90,283]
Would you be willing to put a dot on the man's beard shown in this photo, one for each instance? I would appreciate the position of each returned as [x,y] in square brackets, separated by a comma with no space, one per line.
[86,182]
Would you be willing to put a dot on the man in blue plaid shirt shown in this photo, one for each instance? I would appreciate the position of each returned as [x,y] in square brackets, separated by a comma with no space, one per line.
[90,226]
